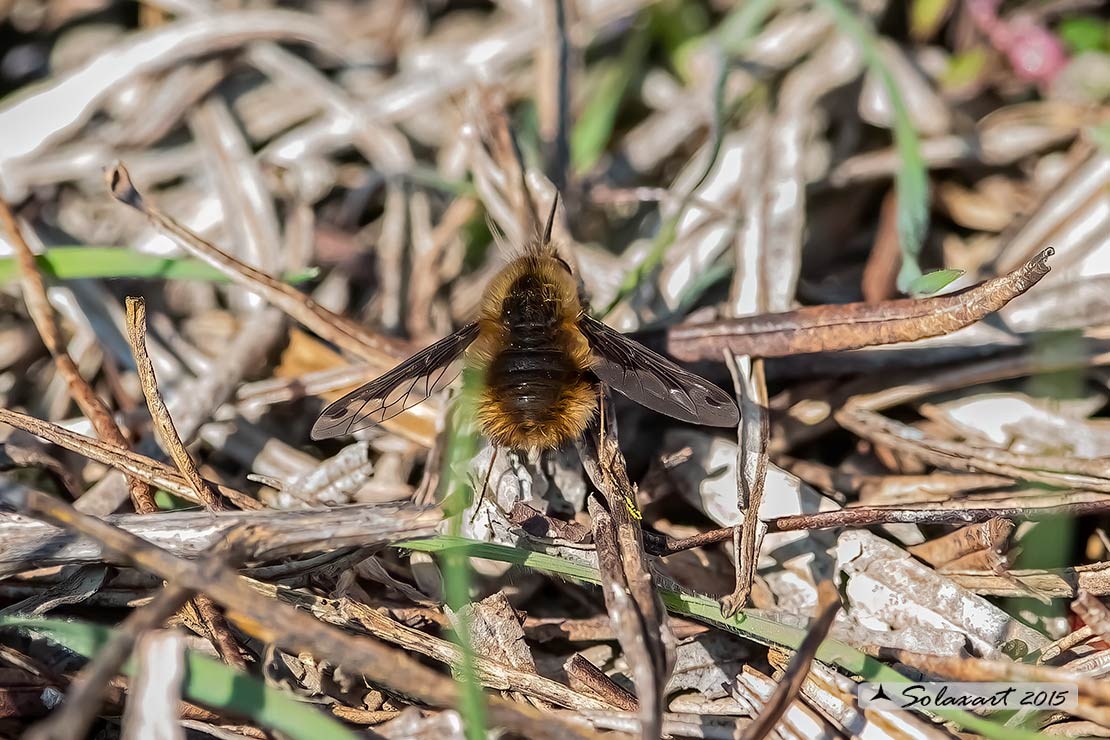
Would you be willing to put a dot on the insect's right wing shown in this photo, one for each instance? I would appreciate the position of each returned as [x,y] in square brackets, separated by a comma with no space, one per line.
[654,381]
[428,371]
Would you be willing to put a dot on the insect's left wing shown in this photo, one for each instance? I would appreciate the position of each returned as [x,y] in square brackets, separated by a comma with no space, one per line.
[428,371]
[654,381]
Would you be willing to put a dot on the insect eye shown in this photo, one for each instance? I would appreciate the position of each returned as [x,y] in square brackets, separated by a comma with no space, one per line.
[563,262]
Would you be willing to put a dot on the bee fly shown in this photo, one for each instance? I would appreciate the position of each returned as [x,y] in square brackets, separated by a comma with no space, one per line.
[540,357]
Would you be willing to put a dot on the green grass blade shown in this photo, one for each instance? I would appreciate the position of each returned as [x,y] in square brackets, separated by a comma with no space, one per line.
[739,27]
[911,182]
[669,230]
[71,263]
[1100,135]
[462,445]
[751,626]
[731,36]
[594,128]
[933,282]
[677,23]
[729,39]
[430,178]
[207,682]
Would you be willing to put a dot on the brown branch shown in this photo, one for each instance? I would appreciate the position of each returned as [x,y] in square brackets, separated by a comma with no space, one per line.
[853,325]
[584,675]
[661,545]
[219,633]
[88,689]
[14,455]
[642,648]
[795,675]
[284,625]
[144,468]
[159,413]
[42,315]
[491,673]
[380,352]
[634,608]
[991,536]
[867,516]
[338,329]
[751,474]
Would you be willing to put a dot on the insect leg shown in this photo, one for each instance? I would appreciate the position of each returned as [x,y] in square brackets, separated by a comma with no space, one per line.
[485,485]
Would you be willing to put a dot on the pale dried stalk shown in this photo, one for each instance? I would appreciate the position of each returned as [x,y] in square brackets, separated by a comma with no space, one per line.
[189,533]
[151,711]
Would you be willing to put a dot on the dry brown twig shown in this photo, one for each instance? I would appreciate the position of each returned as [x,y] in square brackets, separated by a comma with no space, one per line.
[38,306]
[751,474]
[584,674]
[87,691]
[163,423]
[283,625]
[15,455]
[991,536]
[641,647]
[381,352]
[214,623]
[795,675]
[863,516]
[335,328]
[853,325]
[139,466]
[491,673]
[634,609]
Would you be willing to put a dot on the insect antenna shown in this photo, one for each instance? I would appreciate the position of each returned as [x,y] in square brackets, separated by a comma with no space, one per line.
[550,220]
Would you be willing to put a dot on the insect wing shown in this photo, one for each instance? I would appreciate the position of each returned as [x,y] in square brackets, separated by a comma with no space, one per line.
[428,371]
[654,381]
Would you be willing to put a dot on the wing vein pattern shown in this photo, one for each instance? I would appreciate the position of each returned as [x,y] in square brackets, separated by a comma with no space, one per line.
[654,381]
[413,381]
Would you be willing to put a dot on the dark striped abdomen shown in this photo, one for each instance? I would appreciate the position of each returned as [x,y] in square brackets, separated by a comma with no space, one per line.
[538,392]
[528,381]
